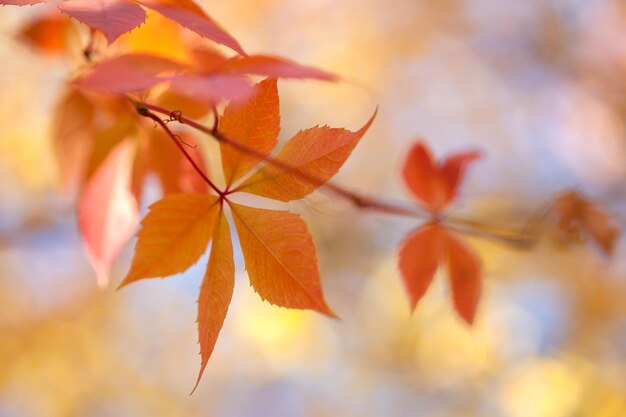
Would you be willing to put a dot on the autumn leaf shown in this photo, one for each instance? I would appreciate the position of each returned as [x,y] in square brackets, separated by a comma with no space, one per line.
[173,235]
[107,210]
[314,155]
[189,15]
[111,17]
[421,254]
[578,218]
[255,123]
[435,185]
[216,291]
[73,128]
[275,67]
[21,2]
[419,258]
[464,272]
[47,34]
[280,258]
[129,73]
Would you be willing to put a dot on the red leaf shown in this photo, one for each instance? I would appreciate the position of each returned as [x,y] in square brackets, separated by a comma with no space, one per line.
[464,271]
[432,184]
[111,17]
[274,66]
[107,210]
[280,258]
[129,73]
[421,175]
[189,15]
[315,155]
[453,171]
[20,2]
[254,123]
[173,235]
[216,291]
[578,215]
[419,259]
[211,88]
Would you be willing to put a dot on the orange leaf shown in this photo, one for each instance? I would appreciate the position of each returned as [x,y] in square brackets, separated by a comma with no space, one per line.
[47,34]
[280,258]
[419,259]
[107,210]
[216,291]
[435,185]
[174,234]
[577,214]
[464,271]
[189,15]
[315,154]
[254,123]
[72,135]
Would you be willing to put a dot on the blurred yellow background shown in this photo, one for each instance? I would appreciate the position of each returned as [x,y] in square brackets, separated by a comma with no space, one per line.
[538,85]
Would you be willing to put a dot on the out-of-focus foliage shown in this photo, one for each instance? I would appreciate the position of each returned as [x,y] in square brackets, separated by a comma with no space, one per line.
[537,85]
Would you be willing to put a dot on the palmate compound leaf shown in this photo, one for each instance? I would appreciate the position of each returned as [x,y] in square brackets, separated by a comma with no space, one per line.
[189,15]
[216,291]
[111,17]
[280,258]
[421,254]
[255,123]
[107,210]
[314,154]
[173,235]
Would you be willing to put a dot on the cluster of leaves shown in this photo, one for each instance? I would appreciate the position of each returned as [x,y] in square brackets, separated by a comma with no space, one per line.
[106,147]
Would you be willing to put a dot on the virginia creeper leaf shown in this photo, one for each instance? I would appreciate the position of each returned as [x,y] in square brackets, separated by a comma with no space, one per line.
[173,235]
[20,2]
[280,258]
[435,185]
[419,258]
[189,15]
[174,171]
[453,170]
[578,215]
[107,210]
[216,291]
[129,73]
[111,17]
[72,132]
[47,34]
[315,154]
[254,123]
[211,88]
[275,67]
[464,272]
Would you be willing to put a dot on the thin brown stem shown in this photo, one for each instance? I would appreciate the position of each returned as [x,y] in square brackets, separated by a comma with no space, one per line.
[522,239]
[146,113]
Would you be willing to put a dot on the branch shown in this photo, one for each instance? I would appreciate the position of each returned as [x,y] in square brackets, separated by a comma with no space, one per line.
[143,111]
[525,238]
